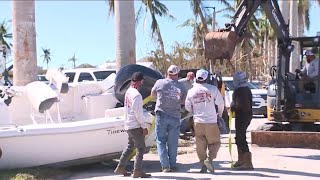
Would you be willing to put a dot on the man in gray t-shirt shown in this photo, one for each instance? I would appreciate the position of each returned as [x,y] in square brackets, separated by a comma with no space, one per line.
[170,95]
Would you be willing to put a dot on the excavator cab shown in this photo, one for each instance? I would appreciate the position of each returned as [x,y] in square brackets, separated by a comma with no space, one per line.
[302,90]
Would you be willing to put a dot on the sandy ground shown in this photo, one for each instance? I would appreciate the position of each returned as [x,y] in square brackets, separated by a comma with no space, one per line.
[269,163]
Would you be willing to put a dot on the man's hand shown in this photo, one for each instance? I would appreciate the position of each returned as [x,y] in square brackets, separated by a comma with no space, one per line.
[297,71]
[145,131]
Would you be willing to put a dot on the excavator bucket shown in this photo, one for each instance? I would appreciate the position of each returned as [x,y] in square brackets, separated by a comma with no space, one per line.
[220,45]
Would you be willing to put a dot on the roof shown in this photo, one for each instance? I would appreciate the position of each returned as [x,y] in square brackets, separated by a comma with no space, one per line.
[87,70]
[308,41]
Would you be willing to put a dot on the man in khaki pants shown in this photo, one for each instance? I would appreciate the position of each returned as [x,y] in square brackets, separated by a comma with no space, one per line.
[201,101]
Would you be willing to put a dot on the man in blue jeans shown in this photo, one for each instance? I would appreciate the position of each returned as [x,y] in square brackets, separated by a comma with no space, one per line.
[170,93]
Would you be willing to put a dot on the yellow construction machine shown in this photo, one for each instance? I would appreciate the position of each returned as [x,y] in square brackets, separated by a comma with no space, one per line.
[290,105]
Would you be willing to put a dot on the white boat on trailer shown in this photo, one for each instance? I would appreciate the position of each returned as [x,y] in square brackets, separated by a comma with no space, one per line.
[42,126]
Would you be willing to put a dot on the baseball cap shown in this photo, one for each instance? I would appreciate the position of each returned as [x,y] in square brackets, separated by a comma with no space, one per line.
[201,75]
[137,76]
[173,70]
[309,53]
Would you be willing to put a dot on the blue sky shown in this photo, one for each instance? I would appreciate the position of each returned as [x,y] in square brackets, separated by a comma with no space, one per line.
[83,28]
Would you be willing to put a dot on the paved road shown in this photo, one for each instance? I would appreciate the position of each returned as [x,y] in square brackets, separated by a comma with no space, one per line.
[270,163]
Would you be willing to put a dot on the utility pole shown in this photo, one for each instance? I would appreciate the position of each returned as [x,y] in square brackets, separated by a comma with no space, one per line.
[213,29]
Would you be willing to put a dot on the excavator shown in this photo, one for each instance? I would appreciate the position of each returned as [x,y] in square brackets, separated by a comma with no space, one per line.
[290,106]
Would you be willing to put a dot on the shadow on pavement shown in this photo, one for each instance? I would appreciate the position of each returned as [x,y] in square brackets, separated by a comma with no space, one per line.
[106,169]
[311,157]
[243,173]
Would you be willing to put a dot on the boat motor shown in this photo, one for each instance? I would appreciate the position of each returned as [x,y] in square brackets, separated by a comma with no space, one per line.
[123,80]
[41,96]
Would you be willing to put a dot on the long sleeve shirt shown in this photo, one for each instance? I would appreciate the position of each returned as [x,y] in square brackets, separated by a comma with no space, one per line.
[133,110]
[201,101]
[242,101]
[311,69]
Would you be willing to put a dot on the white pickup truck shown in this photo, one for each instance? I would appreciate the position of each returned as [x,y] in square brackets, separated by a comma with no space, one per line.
[87,74]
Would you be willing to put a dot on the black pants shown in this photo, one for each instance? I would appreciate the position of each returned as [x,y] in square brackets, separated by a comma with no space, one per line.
[243,120]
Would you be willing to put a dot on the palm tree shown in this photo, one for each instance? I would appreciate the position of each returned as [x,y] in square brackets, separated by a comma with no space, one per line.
[46,56]
[125,31]
[4,34]
[24,42]
[155,8]
[73,59]
[5,46]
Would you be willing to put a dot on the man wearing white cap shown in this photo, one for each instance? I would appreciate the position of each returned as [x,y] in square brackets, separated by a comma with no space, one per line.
[309,72]
[170,95]
[311,68]
[201,101]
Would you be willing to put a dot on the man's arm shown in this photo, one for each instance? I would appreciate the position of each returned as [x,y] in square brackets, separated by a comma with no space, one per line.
[188,103]
[183,94]
[219,102]
[153,93]
[137,108]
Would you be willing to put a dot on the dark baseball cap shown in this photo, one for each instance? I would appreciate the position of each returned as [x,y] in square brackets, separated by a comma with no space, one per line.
[137,76]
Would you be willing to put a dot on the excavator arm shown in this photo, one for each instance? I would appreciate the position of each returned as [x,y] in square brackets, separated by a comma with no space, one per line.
[221,44]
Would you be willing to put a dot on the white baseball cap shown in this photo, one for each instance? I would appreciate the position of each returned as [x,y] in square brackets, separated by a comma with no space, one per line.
[201,75]
[173,70]
[309,53]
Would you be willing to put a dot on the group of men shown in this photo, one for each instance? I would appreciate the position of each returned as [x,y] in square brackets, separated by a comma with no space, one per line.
[200,99]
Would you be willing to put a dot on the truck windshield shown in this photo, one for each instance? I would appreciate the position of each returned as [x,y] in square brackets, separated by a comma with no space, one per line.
[101,75]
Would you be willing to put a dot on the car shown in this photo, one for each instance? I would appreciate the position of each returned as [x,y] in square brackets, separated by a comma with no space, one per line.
[87,74]
[259,96]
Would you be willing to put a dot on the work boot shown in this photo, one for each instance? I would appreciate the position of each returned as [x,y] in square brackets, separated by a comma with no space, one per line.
[140,174]
[209,165]
[240,160]
[247,162]
[122,170]
[203,169]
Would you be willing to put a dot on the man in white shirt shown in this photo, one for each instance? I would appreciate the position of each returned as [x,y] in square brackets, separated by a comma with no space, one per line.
[309,72]
[311,68]
[201,101]
[136,128]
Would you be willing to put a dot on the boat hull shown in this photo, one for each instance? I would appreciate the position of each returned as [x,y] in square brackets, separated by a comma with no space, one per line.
[65,144]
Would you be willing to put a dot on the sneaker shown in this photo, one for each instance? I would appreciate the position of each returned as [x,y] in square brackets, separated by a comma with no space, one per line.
[165,169]
[174,169]
[209,165]
[204,169]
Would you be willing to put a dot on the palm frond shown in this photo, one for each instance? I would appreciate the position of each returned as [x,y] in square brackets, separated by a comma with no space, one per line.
[111,7]
[139,14]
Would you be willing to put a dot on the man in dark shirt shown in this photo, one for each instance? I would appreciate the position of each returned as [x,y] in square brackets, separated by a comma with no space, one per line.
[242,106]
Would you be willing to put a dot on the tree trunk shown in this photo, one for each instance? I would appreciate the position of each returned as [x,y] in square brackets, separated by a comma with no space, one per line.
[24,42]
[265,53]
[248,53]
[284,6]
[294,59]
[301,24]
[125,33]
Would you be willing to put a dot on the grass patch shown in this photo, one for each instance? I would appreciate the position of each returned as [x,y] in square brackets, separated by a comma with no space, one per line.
[35,173]
[185,143]
[180,152]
